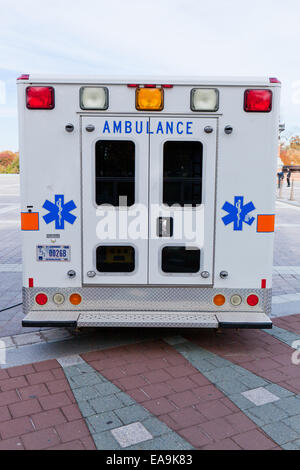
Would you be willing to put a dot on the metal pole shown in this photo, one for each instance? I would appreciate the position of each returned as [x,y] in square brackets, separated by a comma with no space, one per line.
[280,189]
[292,195]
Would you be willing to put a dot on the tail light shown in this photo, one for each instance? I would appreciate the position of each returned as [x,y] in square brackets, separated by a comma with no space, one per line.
[58,299]
[258,101]
[75,299]
[236,300]
[252,300]
[219,300]
[41,299]
[40,97]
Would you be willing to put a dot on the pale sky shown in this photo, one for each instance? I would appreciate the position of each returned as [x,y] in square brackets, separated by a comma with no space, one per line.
[163,37]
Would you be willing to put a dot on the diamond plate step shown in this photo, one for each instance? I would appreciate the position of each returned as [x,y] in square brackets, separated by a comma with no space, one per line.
[148,319]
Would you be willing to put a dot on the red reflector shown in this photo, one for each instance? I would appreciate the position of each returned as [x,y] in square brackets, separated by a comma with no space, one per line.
[252,300]
[149,86]
[132,85]
[259,101]
[24,76]
[40,97]
[41,299]
[167,86]
[274,80]
[263,283]
[30,282]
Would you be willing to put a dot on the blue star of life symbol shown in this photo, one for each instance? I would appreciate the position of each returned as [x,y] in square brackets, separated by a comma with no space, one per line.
[59,211]
[238,213]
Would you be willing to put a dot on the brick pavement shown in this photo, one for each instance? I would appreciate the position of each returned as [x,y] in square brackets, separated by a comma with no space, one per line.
[38,410]
[177,392]
[169,387]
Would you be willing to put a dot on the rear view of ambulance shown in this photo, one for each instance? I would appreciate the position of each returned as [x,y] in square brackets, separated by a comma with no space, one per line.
[149,203]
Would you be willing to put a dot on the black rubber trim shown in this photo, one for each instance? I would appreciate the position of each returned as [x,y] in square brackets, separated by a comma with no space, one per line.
[263,326]
[36,324]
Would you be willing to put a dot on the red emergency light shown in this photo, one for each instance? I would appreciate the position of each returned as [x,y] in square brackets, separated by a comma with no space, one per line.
[38,97]
[258,101]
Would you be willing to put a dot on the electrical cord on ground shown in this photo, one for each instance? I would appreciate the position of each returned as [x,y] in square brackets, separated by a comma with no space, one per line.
[12,306]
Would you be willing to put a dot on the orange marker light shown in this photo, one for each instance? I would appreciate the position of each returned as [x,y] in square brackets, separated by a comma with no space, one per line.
[75,299]
[29,221]
[149,99]
[219,300]
[266,223]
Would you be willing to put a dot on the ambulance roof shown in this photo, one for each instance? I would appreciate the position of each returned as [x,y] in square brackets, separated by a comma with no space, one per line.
[173,80]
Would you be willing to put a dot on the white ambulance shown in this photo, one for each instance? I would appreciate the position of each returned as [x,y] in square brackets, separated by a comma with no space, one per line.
[148,202]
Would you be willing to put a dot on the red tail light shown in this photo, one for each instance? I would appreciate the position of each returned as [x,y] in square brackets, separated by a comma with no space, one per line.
[41,299]
[167,86]
[252,300]
[258,101]
[40,97]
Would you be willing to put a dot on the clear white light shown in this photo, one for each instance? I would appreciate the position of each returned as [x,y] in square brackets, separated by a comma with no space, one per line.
[236,300]
[58,299]
[205,99]
[94,98]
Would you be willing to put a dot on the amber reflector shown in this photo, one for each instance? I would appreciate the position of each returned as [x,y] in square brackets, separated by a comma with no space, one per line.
[266,223]
[75,299]
[29,220]
[219,300]
[149,99]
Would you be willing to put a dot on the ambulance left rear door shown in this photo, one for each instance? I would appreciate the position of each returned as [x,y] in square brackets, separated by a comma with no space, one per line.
[115,153]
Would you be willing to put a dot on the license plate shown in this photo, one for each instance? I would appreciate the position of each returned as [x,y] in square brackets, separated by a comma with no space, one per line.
[53,253]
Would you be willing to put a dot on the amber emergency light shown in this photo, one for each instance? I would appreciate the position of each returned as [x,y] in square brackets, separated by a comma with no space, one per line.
[149,99]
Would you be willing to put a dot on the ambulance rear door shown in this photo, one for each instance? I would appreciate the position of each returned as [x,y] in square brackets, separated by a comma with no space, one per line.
[115,156]
[182,200]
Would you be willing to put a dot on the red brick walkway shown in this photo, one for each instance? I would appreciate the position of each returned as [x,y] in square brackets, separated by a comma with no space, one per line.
[38,410]
[167,385]
[256,351]
[290,323]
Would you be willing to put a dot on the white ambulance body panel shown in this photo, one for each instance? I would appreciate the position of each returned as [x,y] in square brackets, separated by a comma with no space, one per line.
[59,184]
